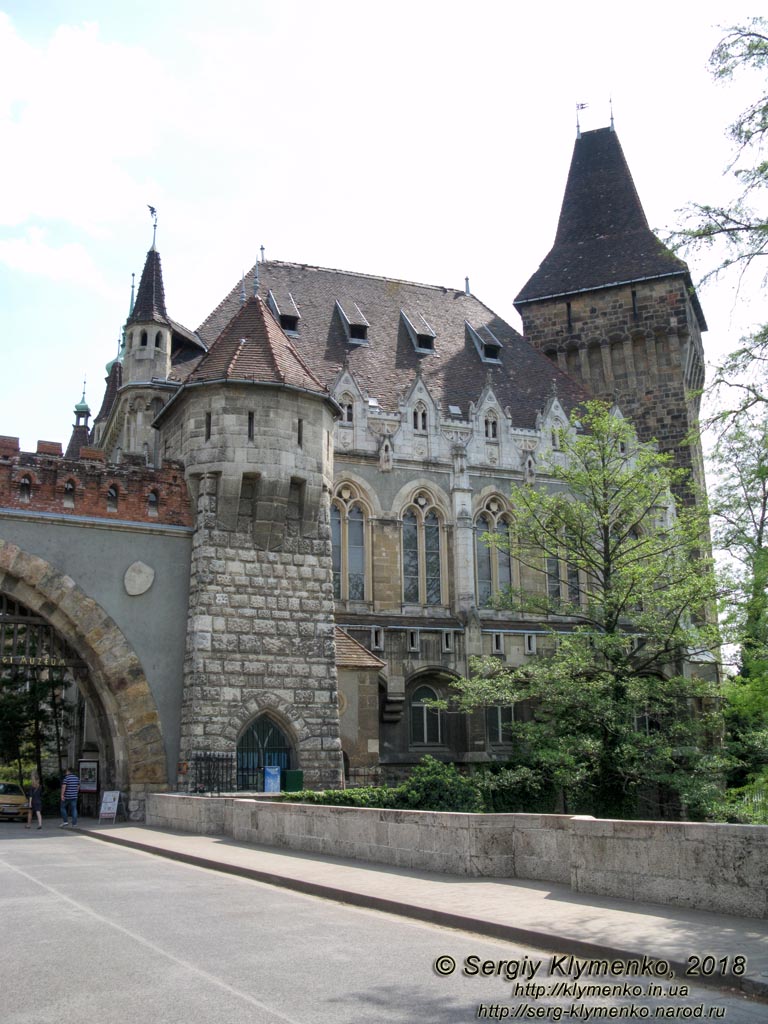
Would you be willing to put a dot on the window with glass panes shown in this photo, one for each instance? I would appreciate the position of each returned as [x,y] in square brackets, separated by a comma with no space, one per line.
[348,542]
[422,555]
[493,564]
[426,724]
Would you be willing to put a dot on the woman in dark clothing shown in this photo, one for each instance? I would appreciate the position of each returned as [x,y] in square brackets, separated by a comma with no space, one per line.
[35,803]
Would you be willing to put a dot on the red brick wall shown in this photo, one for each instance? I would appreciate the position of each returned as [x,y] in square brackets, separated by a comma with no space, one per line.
[49,474]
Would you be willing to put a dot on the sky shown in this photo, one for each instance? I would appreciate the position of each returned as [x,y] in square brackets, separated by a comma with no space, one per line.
[419,140]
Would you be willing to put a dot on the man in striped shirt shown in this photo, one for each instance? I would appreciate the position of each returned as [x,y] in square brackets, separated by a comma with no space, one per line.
[70,787]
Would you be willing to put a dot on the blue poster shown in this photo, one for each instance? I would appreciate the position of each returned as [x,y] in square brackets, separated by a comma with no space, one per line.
[272,778]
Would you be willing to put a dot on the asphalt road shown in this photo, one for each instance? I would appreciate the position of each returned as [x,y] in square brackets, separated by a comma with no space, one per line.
[95,932]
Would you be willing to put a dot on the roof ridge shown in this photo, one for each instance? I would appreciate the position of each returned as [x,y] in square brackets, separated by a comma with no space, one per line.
[369,277]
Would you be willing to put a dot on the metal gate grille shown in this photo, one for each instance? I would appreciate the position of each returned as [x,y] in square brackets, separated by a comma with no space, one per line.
[263,743]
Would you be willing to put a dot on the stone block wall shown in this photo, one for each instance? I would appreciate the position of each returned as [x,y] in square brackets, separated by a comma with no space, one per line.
[718,868]
[260,634]
[638,345]
[706,866]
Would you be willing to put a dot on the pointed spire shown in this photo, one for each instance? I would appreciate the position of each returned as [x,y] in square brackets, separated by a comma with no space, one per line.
[133,293]
[150,299]
[256,277]
[610,104]
[603,237]
[242,290]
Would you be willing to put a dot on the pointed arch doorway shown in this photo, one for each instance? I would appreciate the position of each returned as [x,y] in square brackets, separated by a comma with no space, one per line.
[263,743]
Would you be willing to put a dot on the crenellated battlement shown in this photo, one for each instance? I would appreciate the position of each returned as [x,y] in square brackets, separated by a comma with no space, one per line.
[45,481]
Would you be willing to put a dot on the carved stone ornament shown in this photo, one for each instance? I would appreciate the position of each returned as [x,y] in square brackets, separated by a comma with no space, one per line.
[138,579]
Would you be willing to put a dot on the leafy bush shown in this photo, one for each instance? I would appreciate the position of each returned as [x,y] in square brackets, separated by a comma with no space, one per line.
[434,786]
[365,796]
[431,786]
[515,789]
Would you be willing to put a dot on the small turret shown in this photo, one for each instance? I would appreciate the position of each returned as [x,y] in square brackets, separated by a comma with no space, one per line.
[80,430]
[148,331]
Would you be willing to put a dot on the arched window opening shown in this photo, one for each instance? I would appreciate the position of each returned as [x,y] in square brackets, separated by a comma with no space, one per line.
[426,721]
[112,498]
[349,530]
[25,490]
[420,420]
[493,562]
[347,404]
[491,427]
[143,339]
[69,494]
[422,554]
[159,339]
[262,744]
[153,503]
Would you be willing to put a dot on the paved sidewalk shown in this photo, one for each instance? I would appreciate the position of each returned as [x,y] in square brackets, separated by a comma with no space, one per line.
[545,915]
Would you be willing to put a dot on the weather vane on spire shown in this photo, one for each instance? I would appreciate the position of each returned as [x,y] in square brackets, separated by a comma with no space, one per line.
[153,215]
[579,106]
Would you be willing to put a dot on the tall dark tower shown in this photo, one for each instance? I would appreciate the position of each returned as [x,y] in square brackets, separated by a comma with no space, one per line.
[615,308]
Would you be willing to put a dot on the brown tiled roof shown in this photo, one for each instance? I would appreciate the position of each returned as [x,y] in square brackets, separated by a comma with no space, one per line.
[603,237]
[385,366]
[150,298]
[253,347]
[80,439]
[351,654]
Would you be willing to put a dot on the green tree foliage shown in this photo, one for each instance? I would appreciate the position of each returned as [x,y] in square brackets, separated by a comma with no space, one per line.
[740,523]
[431,786]
[736,234]
[616,710]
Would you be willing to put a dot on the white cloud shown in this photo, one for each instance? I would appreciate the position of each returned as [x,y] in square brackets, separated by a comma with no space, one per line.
[71,262]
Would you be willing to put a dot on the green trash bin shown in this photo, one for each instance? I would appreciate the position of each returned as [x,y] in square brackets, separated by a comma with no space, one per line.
[293,780]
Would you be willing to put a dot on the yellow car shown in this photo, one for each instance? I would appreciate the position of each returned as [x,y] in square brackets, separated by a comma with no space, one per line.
[13,802]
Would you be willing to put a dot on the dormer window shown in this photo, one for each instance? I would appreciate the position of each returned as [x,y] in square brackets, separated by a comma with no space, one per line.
[491,427]
[419,331]
[354,321]
[485,341]
[285,310]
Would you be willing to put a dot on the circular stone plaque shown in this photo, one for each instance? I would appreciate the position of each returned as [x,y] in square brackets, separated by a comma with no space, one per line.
[138,579]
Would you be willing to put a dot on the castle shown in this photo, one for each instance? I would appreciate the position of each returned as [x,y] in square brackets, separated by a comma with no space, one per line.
[268,543]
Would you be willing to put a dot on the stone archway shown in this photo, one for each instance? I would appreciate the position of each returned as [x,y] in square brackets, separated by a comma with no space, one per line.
[118,686]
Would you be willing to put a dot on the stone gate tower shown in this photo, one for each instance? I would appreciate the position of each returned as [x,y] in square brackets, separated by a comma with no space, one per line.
[615,308]
[254,428]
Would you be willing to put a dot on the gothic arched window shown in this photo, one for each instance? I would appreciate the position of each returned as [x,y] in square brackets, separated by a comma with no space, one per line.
[420,419]
[422,553]
[349,530]
[493,562]
[261,745]
[491,427]
[69,494]
[112,498]
[347,404]
[25,489]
